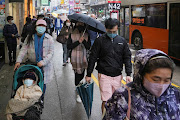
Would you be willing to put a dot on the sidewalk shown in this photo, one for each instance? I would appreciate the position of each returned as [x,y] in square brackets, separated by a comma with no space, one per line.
[60,98]
[6,79]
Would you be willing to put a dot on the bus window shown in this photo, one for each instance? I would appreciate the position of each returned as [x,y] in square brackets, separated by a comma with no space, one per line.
[138,11]
[156,15]
[138,15]
[127,23]
[122,22]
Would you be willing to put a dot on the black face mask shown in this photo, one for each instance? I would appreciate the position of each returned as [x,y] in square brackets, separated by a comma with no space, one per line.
[80,28]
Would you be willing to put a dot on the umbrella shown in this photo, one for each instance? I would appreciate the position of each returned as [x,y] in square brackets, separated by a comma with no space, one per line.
[93,24]
[54,14]
[85,91]
[60,11]
[63,17]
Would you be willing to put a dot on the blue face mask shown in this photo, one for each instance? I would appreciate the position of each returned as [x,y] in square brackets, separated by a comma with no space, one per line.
[28,82]
[111,35]
[40,29]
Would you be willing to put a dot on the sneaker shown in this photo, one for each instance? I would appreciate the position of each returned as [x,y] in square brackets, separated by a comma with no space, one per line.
[78,99]
[10,63]
[64,64]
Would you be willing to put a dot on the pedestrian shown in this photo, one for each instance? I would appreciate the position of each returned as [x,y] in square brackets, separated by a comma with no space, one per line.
[79,42]
[51,25]
[47,19]
[58,24]
[10,33]
[63,37]
[34,18]
[151,94]
[39,48]
[26,29]
[93,35]
[111,52]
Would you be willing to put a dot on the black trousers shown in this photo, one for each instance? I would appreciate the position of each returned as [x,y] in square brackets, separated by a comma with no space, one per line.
[12,49]
[78,78]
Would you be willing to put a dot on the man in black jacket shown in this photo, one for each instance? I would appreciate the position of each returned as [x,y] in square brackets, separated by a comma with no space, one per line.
[11,34]
[110,51]
[27,29]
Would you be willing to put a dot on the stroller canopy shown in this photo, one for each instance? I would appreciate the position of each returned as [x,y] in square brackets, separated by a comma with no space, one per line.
[22,70]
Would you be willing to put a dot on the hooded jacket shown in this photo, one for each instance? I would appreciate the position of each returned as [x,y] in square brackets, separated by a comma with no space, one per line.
[144,105]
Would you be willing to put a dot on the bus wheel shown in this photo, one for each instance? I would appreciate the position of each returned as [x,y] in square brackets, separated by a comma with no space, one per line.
[137,40]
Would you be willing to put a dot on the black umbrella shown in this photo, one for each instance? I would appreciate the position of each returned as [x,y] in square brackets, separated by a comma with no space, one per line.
[93,24]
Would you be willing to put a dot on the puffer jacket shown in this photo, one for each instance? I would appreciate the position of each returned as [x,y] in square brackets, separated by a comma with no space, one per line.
[110,55]
[8,30]
[144,105]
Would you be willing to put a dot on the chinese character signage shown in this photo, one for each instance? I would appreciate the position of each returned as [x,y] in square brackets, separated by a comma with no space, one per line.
[114,5]
[77,1]
[16,0]
[138,20]
[45,2]
[2,17]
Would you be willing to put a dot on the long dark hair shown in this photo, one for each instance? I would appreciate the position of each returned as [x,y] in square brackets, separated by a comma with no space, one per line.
[30,36]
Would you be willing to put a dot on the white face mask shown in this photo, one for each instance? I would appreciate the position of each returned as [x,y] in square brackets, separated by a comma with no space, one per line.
[68,24]
[28,82]
[12,21]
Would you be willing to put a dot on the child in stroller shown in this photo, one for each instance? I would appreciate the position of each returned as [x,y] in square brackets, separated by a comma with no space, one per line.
[26,98]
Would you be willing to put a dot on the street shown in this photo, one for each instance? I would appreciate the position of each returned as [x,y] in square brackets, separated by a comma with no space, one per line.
[60,97]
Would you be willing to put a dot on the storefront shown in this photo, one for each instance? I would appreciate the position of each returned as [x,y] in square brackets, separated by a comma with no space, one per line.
[2,23]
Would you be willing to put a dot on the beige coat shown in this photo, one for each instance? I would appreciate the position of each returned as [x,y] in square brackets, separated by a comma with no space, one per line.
[25,93]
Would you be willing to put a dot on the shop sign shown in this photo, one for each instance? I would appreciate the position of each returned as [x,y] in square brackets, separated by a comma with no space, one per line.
[77,1]
[2,17]
[16,0]
[45,2]
[114,5]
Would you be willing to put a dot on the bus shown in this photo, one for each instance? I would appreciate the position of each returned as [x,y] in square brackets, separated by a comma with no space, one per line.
[152,24]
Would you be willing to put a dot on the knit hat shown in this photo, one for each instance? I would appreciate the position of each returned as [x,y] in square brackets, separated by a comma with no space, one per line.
[41,22]
[30,74]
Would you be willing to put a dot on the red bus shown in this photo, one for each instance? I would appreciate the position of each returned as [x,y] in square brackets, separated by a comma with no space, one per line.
[152,24]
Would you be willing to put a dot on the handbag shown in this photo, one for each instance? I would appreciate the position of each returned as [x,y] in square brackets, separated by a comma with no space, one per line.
[61,39]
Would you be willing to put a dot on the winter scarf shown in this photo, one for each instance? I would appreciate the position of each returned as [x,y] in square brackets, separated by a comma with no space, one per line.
[78,56]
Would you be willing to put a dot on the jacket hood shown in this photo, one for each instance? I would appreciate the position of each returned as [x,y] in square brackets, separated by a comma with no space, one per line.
[141,58]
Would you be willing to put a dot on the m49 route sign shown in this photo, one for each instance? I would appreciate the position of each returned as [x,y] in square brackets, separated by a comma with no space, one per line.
[114,5]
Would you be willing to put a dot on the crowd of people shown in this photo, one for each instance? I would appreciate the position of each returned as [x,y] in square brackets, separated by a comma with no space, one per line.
[149,96]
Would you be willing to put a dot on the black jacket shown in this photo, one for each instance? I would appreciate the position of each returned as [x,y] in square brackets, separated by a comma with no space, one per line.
[110,55]
[8,31]
[27,29]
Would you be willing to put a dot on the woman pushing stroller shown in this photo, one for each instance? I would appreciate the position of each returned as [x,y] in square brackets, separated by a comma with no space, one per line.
[39,48]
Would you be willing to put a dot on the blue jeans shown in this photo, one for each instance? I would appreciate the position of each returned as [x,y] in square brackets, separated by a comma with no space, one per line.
[65,53]
[58,29]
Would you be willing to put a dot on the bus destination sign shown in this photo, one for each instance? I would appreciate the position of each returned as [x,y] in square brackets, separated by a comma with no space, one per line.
[114,5]
[138,20]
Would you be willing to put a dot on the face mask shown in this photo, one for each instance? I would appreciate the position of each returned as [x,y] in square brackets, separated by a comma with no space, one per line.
[155,88]
[28,82]
[111,35]
[40,29]
[12,21]
[68,24]
[80,28]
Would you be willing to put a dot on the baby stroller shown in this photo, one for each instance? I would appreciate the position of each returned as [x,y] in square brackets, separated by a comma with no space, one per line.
[33,112]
